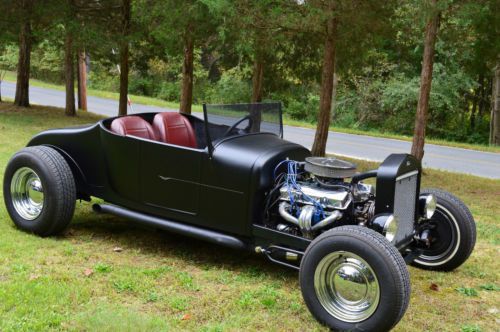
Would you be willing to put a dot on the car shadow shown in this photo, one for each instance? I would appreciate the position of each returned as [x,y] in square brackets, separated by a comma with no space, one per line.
[132,236]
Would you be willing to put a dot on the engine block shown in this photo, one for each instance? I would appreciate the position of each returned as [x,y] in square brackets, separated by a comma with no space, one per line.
[338,198]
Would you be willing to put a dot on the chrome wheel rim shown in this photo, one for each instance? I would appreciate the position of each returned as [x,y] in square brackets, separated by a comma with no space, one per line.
[346,286]
[27,193]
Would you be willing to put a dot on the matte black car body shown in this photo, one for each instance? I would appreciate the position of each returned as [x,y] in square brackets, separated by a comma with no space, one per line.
[145,176]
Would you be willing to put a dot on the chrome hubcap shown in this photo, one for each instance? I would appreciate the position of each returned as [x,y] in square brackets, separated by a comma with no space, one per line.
[27,193]
[346,286]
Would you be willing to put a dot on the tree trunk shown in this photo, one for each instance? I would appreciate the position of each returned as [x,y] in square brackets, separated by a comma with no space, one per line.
[257,79]
[475,98]
[334,91]
[69,73]
[23,66]
[495,108]
[482,95]
[2,75]
[124,56]
[431,31]
[78,87]
[488,88]
[187,76]
[82,81]
[123,103]
[325,98]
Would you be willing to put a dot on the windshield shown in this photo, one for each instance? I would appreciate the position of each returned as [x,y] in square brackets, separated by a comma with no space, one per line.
[241,119]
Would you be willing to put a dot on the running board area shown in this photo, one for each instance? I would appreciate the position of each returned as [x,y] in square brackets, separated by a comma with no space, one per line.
[172,226]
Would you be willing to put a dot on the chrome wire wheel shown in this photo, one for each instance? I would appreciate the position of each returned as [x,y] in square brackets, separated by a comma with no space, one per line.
[27,193]
[346,286]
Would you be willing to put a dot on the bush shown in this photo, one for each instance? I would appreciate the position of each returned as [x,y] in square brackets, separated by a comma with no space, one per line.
[8,58]
[169,91]
[306,108]
[104,80]
[140,85]
[47,61]
[231,88]
[398,104]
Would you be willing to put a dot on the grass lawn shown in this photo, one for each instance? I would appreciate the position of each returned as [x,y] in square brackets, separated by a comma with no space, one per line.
[10,76]
[161,281]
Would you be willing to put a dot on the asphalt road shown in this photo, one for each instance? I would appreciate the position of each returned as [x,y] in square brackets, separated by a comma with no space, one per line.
[485,164]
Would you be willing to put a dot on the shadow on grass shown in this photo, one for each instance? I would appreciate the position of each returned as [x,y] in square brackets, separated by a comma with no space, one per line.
[162,244]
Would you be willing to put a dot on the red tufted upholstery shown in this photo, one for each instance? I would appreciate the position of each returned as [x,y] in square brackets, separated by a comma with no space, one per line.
[174,128]
[133,126]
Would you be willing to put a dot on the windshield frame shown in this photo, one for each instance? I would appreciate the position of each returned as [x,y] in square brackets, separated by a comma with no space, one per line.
[209,139]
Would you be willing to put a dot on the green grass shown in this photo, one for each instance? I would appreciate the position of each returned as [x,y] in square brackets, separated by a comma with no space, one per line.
[136,99]
[165,282]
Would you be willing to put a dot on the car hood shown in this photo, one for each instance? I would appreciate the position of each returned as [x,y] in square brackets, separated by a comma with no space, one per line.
[249,161]
[257,149]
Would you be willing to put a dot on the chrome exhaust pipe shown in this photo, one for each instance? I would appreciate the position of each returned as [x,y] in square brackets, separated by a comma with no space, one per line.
[304,225]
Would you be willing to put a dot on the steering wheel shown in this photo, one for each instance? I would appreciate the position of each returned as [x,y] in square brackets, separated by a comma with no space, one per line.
[233,127]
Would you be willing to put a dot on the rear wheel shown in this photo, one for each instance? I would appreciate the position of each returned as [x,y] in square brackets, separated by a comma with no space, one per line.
[353,279]
[39,190]
[452,232]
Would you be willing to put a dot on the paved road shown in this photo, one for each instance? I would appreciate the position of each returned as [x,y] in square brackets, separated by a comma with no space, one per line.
[485,164]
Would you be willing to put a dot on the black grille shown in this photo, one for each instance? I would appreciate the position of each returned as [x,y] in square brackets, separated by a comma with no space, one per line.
[405,197]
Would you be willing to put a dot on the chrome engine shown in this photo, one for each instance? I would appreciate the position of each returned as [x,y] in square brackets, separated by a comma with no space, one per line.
[328,198]
[315,197]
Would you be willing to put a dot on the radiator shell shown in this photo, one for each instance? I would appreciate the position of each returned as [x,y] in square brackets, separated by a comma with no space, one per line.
[398,188]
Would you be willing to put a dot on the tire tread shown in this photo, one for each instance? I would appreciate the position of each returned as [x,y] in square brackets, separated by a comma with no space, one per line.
[62,179]
[465,218]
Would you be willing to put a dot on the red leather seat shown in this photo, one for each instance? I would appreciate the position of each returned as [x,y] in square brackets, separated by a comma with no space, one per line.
[174,128]
[134,126]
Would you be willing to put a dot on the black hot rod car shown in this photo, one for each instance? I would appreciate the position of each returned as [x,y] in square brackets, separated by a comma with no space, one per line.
[229,177]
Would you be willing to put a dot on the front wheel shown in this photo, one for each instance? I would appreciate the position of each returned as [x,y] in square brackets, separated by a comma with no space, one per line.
[452,233]
[353,279]
[39,190]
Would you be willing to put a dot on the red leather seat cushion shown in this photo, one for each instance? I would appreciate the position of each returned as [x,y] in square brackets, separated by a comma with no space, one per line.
[133,126]
[174,128]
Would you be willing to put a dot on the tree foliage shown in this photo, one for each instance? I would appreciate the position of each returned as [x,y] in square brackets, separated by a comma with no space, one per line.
[239,51]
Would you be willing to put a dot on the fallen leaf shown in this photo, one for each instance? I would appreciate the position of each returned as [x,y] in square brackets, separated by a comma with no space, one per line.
[186,317]
[434,287]
[34,277]
[117,249]
[493,311]
[88,272]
